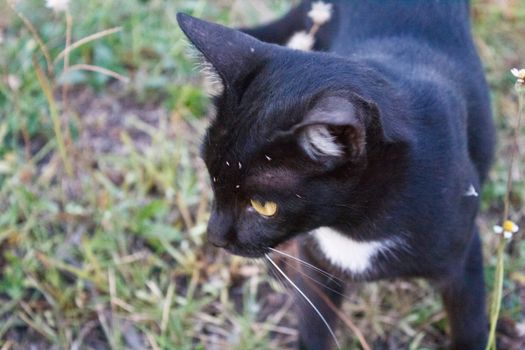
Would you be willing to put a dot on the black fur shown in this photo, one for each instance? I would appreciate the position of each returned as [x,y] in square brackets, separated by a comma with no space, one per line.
[421,104]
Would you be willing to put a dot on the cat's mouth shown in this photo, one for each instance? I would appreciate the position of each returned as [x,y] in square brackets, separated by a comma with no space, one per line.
[259,252]
[248,252]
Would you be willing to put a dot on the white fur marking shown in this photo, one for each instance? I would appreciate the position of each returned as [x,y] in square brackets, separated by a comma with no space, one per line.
[471,192]
[347,253]
[317,141]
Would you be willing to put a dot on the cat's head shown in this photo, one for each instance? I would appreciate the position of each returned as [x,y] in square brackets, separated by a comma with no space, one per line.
[290,142]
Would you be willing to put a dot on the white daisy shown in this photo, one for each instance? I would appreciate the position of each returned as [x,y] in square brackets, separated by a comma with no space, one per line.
[57,5]
[321,12]
[520,74]
[13,82]
[508,229]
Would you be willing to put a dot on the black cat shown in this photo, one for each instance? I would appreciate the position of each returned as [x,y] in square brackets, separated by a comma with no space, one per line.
[370,153]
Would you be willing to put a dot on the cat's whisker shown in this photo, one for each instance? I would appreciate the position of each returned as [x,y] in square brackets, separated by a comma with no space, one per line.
[277,276]
[307,299]
[325,273]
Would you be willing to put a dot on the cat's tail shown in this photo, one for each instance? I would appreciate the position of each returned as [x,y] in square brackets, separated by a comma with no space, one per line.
[281,30]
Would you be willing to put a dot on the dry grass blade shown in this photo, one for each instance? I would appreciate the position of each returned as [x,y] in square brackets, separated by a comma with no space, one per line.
[100,70]
[7,345]
[167,307]
[86,40]
[53,111]
[69,25]
[35,35]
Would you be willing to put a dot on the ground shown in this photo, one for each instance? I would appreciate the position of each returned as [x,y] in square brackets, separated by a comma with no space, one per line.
[104,200]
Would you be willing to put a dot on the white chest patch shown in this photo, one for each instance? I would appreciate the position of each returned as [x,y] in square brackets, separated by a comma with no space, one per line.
[346,253]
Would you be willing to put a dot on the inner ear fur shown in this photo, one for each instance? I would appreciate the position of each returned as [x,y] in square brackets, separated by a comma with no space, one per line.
[333,128]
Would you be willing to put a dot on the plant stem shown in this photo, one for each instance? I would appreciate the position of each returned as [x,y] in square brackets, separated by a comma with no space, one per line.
[496,294]
[35,35]
[497,291]
[65,86]
[84,41]
[53,111]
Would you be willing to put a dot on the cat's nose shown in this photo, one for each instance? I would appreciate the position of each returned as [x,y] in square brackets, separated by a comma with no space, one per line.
[220,229]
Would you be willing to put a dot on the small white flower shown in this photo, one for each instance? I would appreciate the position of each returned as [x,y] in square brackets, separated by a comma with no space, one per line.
[519,73]
[321,12]
[170,193]
[508,229]
[57,5]
[13,82]
[301,41]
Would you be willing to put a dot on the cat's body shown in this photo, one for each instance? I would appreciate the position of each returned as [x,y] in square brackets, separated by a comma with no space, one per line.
[373,151]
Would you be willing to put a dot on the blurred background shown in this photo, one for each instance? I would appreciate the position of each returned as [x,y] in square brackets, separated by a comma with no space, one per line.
[104,201]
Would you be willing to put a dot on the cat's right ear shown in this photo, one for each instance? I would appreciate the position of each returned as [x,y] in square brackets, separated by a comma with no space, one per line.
[231,54]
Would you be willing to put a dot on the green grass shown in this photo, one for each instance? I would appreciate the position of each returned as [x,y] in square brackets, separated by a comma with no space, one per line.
[113,255]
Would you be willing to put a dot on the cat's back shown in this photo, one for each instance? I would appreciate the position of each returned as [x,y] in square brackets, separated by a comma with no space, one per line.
[439,23]
[426,47]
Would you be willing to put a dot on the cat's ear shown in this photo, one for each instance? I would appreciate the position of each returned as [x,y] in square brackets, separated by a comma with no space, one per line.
[231,53]
[333,130]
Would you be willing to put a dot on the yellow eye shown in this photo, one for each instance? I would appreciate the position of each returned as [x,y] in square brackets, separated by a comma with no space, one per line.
[265,209]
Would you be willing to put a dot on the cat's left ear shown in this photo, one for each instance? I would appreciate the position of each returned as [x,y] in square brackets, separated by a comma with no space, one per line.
[333,130]
[231,53]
